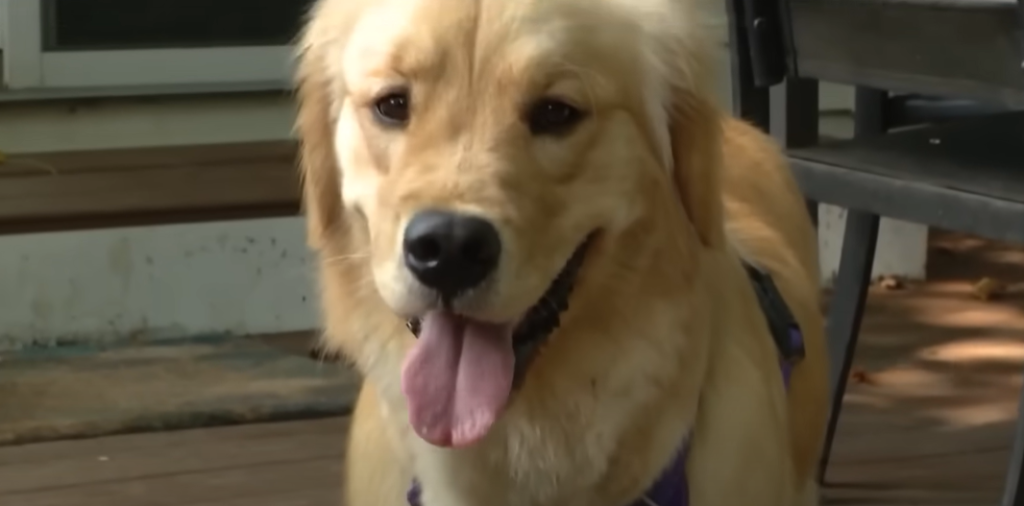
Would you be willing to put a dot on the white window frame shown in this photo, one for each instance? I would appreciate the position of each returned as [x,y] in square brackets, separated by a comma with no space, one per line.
[27,66]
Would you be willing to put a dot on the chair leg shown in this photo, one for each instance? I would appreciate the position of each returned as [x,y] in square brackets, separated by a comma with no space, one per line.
[858,257]
[1020,28]
[748,101]
[812,211]
[794,120]
[845,311]
[1013,494]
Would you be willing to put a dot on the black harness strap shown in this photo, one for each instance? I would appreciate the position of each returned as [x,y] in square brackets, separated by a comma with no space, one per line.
[781,323]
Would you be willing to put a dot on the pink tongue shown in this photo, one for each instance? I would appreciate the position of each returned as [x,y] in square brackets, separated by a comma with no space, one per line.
[457,378]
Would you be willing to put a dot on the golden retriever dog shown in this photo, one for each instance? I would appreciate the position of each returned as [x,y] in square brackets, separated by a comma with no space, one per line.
[534,228]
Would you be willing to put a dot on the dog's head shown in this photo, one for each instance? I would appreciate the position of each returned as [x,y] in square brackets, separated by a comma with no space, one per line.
[471,156]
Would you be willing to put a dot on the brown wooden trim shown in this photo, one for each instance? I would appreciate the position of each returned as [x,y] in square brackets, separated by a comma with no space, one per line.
[141,158]
[146,219]
[59,191]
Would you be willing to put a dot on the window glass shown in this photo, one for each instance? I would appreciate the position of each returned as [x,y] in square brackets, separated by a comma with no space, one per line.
[165,24]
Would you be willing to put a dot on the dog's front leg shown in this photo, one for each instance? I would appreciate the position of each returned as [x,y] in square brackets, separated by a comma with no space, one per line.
[376,473]
[740,448]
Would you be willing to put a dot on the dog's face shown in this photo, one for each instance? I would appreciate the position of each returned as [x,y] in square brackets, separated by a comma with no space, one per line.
[482,148]
[485,147]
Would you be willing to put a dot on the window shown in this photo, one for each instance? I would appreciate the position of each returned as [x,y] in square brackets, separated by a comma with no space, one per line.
[124,43]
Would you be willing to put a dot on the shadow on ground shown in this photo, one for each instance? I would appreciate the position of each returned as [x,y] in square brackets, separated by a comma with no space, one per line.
[930,409]
[84,391]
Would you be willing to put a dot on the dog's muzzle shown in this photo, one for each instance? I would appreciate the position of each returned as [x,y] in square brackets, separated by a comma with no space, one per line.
[544,317]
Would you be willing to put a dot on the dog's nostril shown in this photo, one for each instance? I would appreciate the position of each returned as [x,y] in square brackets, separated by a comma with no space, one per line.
[450,252]
[426,250]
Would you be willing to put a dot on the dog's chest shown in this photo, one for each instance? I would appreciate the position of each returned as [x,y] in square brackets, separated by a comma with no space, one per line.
[671,487]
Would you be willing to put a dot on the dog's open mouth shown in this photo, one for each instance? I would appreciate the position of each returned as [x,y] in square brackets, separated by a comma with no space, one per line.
[460,374]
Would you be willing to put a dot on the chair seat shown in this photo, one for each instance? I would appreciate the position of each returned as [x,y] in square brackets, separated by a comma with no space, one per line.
[954,4]
[964,175]
[965,48]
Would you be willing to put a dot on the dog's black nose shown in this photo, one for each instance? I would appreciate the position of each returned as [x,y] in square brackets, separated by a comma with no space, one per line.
[450,252]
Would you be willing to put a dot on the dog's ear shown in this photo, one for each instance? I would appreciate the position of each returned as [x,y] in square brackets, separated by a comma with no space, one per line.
[321,179]
[695,127]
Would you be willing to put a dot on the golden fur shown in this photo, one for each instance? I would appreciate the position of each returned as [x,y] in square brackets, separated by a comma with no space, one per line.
[664,336]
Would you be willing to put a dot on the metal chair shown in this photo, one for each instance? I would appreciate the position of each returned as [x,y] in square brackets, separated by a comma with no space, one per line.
[876,173]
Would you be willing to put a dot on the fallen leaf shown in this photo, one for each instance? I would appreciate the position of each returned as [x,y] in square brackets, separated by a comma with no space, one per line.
[861,377]
[890,283]
[988,288]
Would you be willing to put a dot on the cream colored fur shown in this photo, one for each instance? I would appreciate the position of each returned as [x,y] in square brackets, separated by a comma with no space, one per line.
[664,337]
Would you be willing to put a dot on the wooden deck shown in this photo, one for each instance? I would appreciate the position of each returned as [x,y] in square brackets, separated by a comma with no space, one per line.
[282,464]
[928,419]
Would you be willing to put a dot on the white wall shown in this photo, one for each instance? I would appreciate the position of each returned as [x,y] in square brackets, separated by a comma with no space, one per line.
[242,277]
[902,248]
[239,277]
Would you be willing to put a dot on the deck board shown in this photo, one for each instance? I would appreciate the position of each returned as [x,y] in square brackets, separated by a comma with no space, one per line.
[116,460]
[158,441]
[284,479]
[282,463]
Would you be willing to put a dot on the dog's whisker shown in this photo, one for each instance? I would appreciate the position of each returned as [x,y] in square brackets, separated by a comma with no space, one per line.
[346,258]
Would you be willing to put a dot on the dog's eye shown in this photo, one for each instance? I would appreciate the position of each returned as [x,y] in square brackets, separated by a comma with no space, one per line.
[550,116]
[393,109]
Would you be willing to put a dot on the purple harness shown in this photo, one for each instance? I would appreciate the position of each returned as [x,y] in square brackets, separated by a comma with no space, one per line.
[672,488]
